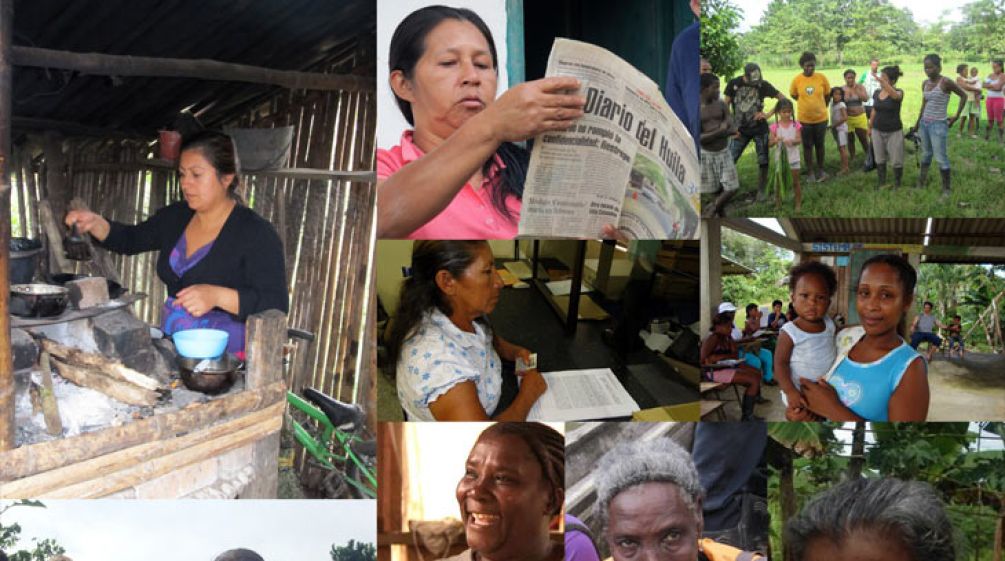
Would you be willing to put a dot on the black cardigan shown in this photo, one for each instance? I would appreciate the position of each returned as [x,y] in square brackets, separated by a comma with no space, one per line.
[246,256]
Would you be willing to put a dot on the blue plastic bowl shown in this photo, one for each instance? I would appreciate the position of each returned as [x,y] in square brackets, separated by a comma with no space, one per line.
[201,343]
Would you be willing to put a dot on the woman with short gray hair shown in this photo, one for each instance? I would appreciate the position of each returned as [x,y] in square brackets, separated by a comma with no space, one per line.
[649,502]
[873,519]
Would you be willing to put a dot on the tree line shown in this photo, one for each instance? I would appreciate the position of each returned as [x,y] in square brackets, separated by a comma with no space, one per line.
[847,33]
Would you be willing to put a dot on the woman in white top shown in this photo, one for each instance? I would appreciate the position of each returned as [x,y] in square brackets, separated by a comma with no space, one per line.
[447,360]
[995,102]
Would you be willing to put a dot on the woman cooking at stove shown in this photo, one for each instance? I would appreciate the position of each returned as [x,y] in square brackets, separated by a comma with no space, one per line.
[220,260]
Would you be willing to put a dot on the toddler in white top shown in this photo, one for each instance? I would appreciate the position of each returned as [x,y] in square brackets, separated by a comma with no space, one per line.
[806,348]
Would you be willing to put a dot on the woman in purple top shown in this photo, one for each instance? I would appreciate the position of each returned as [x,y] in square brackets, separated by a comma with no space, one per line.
[579,544]
[221,262]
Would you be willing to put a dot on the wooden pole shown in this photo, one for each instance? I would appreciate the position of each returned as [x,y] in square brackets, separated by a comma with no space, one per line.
[203,69]
[6,358]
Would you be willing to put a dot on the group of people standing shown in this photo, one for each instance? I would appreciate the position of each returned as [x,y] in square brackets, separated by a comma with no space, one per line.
[866,108]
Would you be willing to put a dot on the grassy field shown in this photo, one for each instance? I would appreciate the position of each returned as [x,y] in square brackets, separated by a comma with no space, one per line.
[977,165]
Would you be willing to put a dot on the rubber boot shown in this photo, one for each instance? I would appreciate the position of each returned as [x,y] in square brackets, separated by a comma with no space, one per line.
[747,408]
[945,181]
[762,184]
[898,175]
[923,176]
[880,175]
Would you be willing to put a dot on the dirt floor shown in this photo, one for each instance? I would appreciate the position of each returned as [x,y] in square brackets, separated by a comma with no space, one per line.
[968,389]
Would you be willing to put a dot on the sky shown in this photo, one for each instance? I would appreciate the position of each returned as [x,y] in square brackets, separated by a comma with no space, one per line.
[123,530]
[924,11]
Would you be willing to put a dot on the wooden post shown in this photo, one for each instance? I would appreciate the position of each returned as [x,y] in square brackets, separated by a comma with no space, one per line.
[711,271]
[264,344]
[6,358]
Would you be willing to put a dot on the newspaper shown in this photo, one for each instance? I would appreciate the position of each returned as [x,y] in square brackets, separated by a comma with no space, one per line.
[580,395]
[628,162]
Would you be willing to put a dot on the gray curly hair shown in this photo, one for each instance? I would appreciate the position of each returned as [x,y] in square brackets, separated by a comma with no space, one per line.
[909,510]
[239,555]
[643,461]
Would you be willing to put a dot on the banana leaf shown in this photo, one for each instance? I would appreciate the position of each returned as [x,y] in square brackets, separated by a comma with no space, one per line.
[780,174]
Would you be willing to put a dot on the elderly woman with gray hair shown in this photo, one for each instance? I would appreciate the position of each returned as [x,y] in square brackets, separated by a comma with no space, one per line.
[872,520]
[649,501]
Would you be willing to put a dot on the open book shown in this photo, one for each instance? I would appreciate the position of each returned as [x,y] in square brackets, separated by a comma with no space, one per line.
[579,395]
[629,162]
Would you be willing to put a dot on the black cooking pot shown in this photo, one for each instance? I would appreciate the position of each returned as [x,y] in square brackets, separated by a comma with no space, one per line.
[209,376]
[114,289]
[24,254]
[38,300]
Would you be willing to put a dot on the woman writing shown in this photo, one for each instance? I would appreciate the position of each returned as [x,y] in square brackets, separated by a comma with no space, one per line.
[457,175]
[719,346]
[221,262]
[881,378]
[513,487]
[447,359]
[887,128]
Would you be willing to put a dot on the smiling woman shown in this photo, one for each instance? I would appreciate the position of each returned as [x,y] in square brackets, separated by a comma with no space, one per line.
[457,174]
[513,487]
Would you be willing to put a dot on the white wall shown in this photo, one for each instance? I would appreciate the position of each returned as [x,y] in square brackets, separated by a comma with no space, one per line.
[390,123]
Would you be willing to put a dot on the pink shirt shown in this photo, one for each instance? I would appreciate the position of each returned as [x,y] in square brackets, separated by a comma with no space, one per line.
[471,215]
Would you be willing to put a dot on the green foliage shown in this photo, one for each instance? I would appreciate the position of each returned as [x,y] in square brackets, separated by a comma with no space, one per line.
[966,290]
[354,551]
[770,265]
[838,32]
[981,32]
[10,536]
[719,44]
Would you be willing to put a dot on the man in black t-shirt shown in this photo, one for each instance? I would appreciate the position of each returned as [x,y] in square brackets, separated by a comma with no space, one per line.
[745,96]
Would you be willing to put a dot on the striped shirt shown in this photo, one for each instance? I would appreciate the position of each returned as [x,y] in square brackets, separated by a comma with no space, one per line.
[937,103]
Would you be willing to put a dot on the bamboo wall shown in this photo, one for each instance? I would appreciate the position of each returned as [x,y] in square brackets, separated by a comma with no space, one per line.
[326,226]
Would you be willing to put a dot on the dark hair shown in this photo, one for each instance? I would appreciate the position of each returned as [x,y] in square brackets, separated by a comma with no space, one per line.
[905,272]
[408,45]
[893,73]
[239,555]
[776,303]
[957,316]
[3,556]
[720,319]
[548,447]
[707,80]
[792,310]
[909,511]
[849,71]
[927,303]
[999,62]
[419,292]
[835,90]
[807,57]
[750,307]
[961,68]
[783,104]
[219,150]
[813,268]
[934,58]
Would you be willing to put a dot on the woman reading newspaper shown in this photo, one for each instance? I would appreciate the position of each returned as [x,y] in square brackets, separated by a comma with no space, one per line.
[457,173]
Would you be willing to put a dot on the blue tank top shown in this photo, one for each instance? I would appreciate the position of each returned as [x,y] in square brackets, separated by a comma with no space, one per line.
[866,388]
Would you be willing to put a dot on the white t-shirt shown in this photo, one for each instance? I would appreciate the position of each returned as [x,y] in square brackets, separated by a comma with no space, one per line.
[993,93]
[438,356]
[812,353]
[790,133]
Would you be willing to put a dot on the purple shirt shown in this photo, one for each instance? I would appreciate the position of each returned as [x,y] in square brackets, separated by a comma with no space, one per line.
[578,546]
[175,318]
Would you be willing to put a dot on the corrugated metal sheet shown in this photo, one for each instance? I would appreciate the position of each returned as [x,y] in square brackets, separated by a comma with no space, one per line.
[283,35]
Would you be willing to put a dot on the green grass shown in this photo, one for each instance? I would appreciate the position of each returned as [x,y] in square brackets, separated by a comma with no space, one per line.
[977,165]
